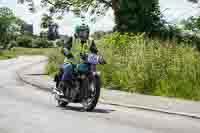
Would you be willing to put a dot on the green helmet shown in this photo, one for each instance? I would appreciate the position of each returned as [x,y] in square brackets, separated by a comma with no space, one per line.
[82,32]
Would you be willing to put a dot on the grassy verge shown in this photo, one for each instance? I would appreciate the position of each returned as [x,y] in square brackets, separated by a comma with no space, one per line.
[151,67]
[24,51]
[141,65]
[5,56]
[55,59]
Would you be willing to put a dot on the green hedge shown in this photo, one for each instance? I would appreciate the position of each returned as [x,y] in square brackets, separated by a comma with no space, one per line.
[31,42]
[41,43]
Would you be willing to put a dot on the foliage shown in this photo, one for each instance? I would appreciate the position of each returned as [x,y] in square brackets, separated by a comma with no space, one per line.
[31,4]
[24,41]
[145,66]
[151,67]
[167,32]
[191,23]
[10,27]
[41,43]
[46,21]
[138,15]
[30,42]
[99,34]
[55,59]
[6,20]
[6,12]
[60,43]
[53,32]
[12,44]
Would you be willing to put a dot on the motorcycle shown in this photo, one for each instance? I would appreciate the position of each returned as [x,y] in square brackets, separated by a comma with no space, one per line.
[85,86]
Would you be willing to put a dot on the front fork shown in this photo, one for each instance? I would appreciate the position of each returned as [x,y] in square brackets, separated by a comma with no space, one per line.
[84,87]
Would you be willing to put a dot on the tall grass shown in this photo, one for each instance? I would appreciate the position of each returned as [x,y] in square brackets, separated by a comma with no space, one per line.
[55,60]
[146,66]
[153,67]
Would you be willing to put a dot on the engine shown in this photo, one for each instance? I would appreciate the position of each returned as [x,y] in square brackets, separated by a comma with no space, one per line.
[71,92]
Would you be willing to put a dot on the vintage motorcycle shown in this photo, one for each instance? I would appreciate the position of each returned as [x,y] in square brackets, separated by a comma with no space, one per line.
[86,84]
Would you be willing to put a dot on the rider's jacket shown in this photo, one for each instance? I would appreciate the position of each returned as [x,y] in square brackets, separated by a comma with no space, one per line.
[74,50]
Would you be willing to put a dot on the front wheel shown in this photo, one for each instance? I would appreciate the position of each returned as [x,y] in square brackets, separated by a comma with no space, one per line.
[94,94]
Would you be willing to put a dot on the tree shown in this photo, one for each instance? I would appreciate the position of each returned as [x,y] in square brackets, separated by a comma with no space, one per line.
[49,24]
[6,12]
[30,3]
[137,15]
[6,22]
[191,23]
[46,21]
[53,32]
[10,26]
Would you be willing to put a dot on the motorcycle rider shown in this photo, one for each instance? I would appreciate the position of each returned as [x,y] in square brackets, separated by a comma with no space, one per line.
[74,51]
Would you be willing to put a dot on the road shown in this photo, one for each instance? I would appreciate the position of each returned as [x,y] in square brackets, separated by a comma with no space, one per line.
[26,109]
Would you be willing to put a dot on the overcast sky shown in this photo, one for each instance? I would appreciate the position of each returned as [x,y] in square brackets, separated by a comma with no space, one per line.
[178,9]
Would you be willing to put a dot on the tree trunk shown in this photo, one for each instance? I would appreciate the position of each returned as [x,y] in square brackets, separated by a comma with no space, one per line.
[115,6]
[116,11]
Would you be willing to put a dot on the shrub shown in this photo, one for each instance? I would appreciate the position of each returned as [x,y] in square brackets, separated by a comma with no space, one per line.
[41,43]
[60,43]
[24,41]
[12,44]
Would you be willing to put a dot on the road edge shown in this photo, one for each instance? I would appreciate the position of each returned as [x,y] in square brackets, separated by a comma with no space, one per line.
[23,79]
[190,115]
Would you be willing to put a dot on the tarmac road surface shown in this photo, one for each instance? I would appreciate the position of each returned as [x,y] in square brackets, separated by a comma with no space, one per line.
[26,109]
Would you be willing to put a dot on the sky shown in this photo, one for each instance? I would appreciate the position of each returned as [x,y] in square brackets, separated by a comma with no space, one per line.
[173,10]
